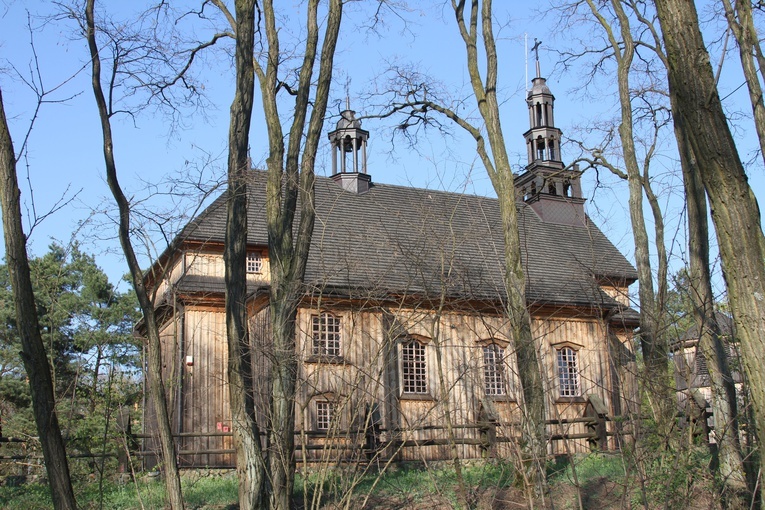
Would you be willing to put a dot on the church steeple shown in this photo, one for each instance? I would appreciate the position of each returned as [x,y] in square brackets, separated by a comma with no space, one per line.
[552,190]
[349,139]
[542,138]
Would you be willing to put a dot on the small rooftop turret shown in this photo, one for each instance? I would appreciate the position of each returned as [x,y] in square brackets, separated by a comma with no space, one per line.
[349,139]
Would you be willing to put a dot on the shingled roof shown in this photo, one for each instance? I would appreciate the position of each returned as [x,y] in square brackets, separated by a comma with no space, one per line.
[397,240]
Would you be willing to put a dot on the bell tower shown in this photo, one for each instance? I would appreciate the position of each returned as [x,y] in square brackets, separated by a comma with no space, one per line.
[349,142]
[551,189]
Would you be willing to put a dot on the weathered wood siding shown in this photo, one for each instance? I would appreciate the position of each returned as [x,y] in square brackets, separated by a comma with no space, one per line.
[366,377]
[588,338]
[363,383]
[365,387]
[172,274]
[201,263]
[620,294]
[260,339]
[205,406]
[169,338]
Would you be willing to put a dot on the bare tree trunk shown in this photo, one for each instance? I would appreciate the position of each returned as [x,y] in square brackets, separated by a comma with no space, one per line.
[155,383]
[250,464]
[653,345]
[32,349]
[741,24]
[735,213]
[724,404]
[291,180]
[501,175]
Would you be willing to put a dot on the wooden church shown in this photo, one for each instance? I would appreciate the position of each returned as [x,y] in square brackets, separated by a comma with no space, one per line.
[402,345]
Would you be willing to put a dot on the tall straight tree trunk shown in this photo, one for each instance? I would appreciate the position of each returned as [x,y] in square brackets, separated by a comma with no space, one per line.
[32,349]
[652,342]
[250,465]
[154,348]
[497,164]
[291,176]
[724,404]
[735,213]
[529,368]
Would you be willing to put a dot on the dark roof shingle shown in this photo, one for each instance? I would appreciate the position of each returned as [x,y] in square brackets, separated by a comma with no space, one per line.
[401,240]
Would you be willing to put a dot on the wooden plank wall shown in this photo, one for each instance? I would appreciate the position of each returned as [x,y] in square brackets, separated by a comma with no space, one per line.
[260,339]
[210,264]
[169,338]
[352,383]
[205,407]
[363,383]
[367,375]
[589,339]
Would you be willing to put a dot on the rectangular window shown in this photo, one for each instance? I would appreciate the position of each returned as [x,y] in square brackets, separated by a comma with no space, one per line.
[568,372]
[493,369]
[326,335]
[414,377]
[324,412]
[254,262]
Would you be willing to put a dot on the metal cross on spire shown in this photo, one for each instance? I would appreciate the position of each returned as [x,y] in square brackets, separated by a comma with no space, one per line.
[535,49]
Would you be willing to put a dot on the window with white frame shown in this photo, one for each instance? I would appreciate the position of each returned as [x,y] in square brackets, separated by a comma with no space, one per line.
[494,370]
[326,335]
[254,262]
[568,372]
[325,411]
[414,369]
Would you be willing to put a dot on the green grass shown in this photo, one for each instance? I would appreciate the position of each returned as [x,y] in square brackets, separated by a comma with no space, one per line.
[406,483]
[213,492]
[588,467]
[598,475]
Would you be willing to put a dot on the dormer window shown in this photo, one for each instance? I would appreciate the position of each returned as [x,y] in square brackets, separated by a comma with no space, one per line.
[254,262]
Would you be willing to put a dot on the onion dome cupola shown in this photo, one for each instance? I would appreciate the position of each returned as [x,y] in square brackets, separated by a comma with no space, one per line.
[349,146]
[553,191]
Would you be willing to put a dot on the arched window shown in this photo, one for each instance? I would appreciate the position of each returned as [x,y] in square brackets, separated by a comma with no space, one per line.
[494,378]
[568,372]
[326,335]
[552,188]
[552,150]
[566,188]
[414,367]
[540,148]
[539,114]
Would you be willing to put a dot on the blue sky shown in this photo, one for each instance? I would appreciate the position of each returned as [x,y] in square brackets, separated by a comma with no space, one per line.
[64,148]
